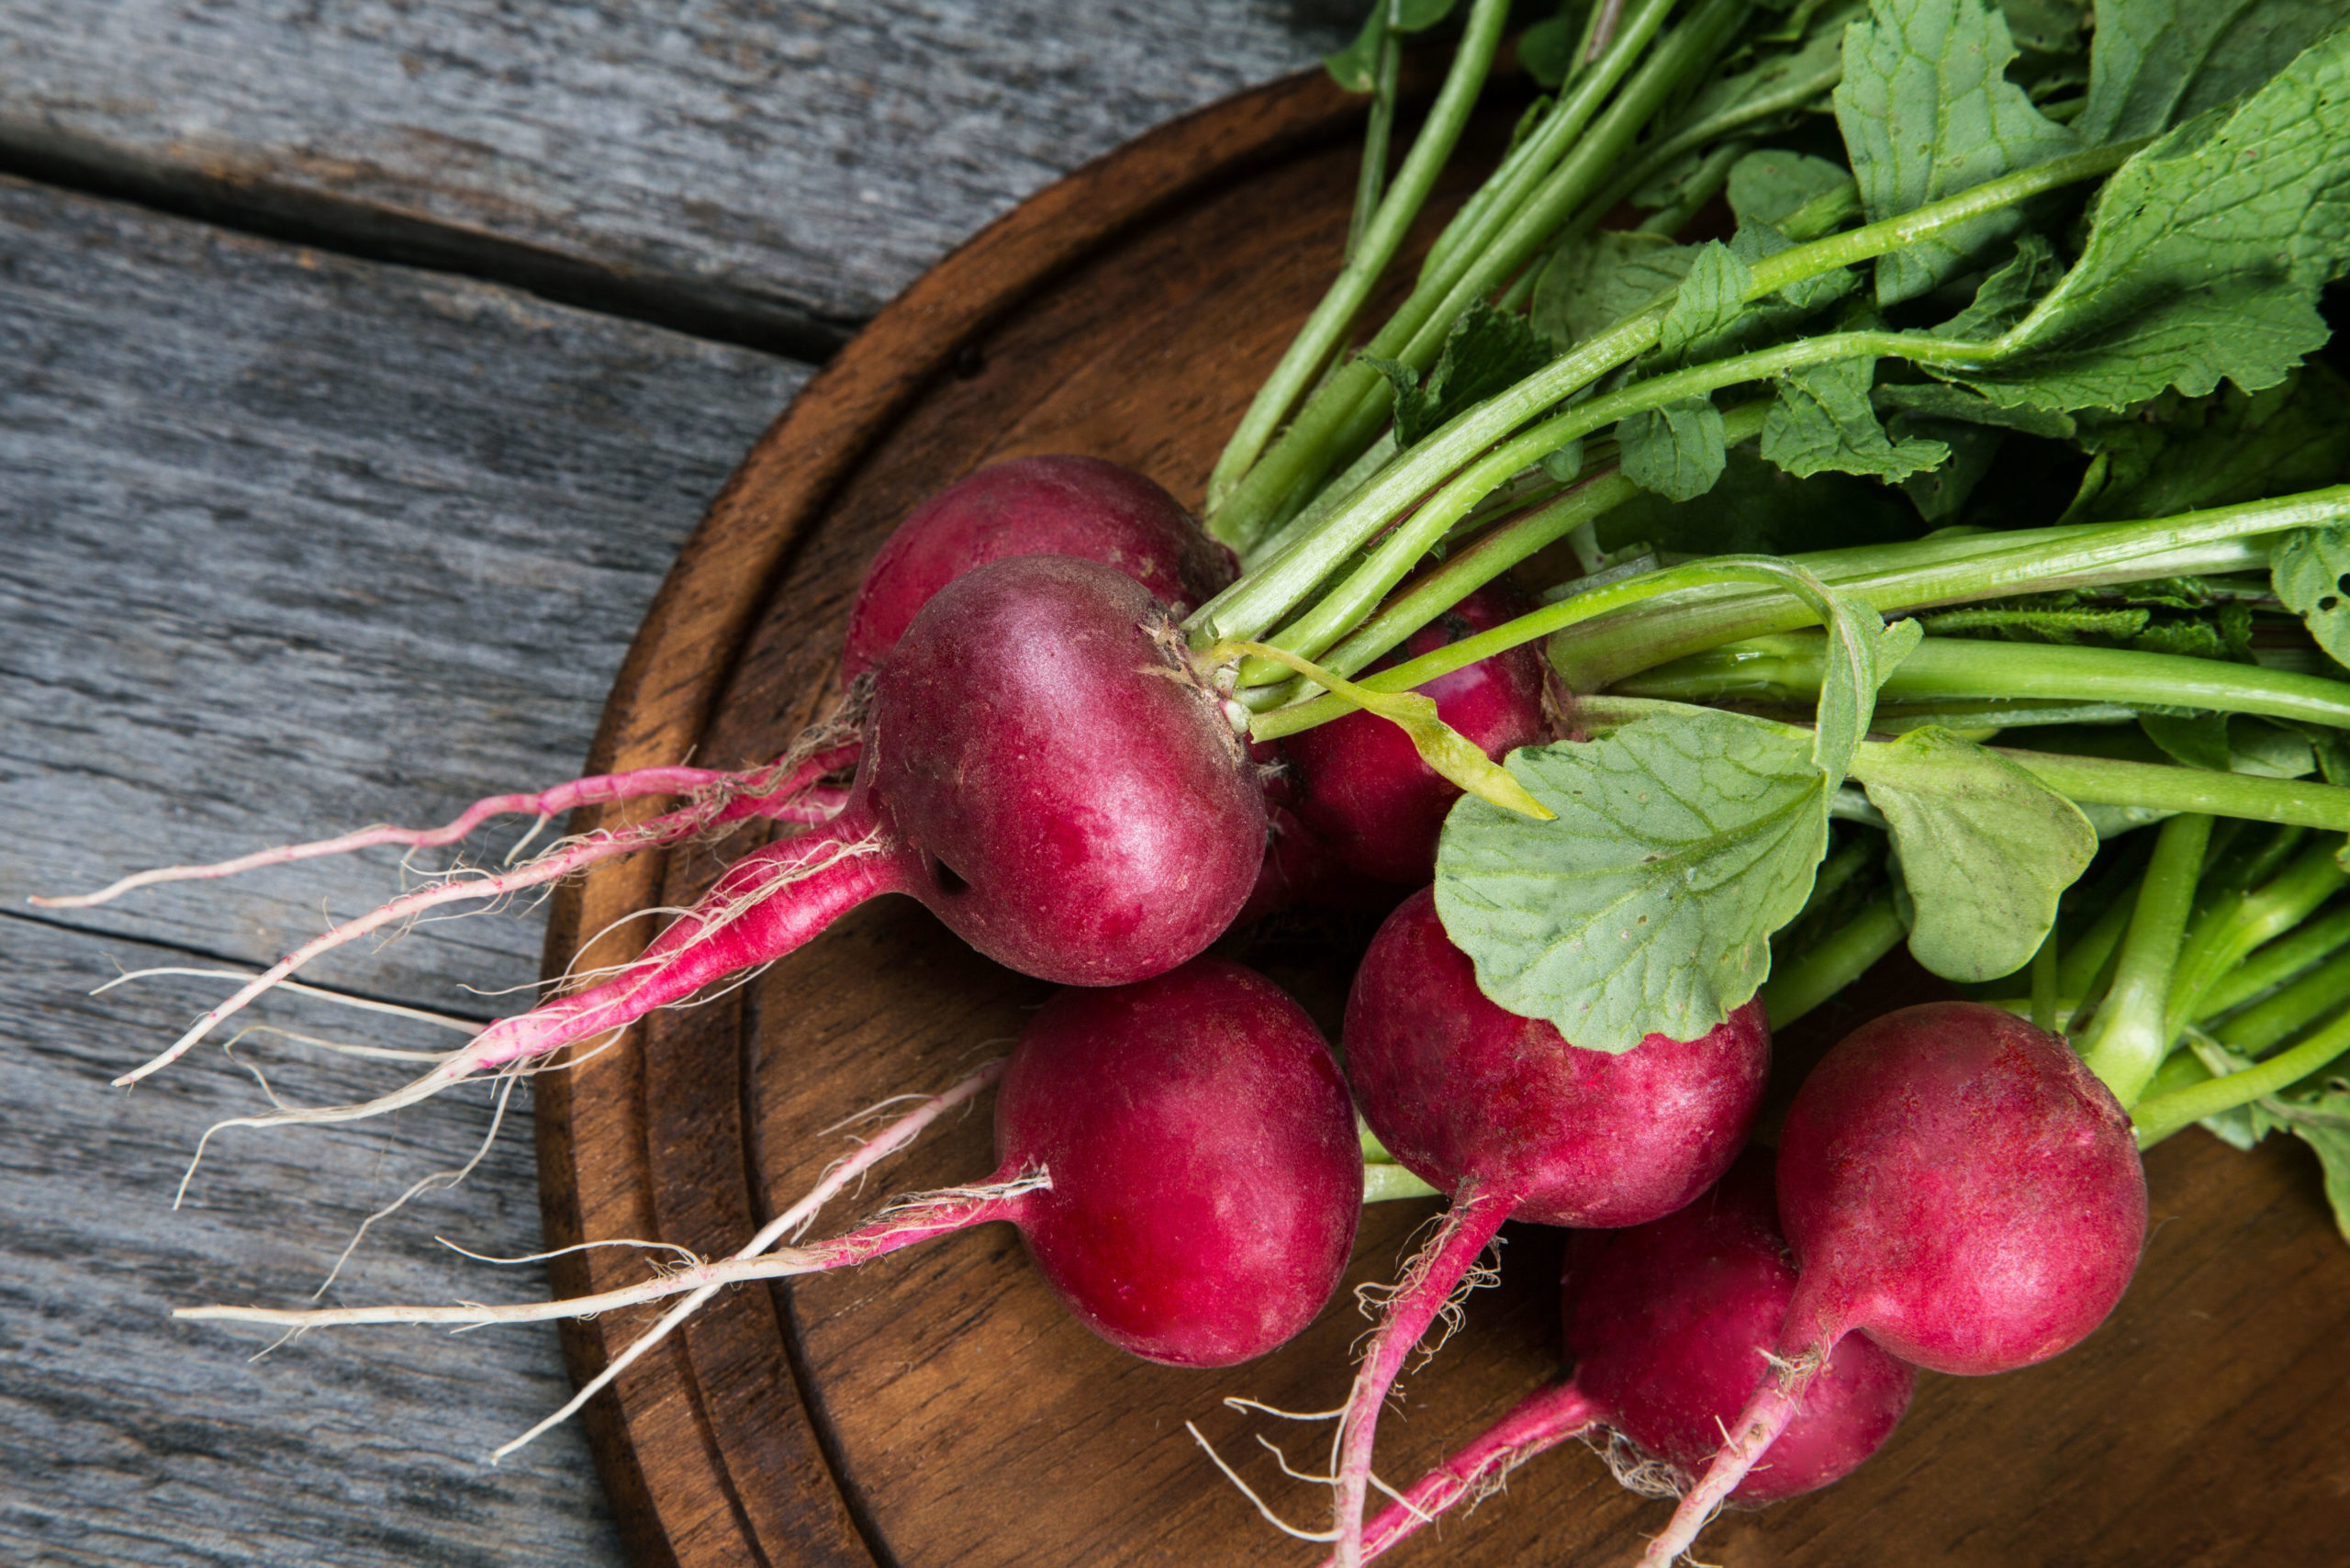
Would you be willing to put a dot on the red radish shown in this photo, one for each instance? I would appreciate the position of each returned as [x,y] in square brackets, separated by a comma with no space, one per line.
[1041,768]
[1958,1187]
[1029,506]
[1363,788]
[1667,1325]
[1180,1156]
[1509,1119]
[1033,506]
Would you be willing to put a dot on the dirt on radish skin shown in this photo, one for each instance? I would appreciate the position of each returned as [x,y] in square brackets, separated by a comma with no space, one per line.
[1955,1185]
[1362,788]
[1667,1326]
[1506,1117]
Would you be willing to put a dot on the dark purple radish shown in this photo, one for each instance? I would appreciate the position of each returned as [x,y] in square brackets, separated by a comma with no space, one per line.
[1366,791]
[1511,1121]
[1180,1156]
[1041,768]
[1032,506]
[1085,507]
[1667,1326]
[1956,1186]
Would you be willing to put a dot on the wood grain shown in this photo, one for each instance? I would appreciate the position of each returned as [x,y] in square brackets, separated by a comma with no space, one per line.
[960,1415]
[288,543]
[132,1439]
[296,544]
[752,169]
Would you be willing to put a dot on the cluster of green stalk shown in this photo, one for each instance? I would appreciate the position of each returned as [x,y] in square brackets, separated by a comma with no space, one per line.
[1351,545]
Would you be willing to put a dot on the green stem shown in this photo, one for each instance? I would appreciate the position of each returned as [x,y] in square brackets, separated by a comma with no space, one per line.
[1694,608]
[2258,1029]
[1367,254]
[1476,263]
[1509,634]
[1384,1183]
[2162,1114]
[2102,781]
[2085,959]
[2130,1039]
[1466,571]
[1379,131]
[1251,605]
[2226,933]
[1656,159]
[1345,606]
[1891,577]
[2278,962]
[1791,665]
[2043,985]
[1829,965]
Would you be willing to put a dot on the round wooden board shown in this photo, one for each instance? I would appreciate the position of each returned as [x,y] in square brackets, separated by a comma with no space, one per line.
[936,1408]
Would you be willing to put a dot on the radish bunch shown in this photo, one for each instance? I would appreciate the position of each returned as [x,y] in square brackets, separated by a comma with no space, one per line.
[1666,1325]
[1091,738]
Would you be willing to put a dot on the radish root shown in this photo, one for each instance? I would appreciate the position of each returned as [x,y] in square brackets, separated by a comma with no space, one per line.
[1540,1421]
[1427,1290]
[695,1279]
[785,790]
[685,957]
[1766,1414]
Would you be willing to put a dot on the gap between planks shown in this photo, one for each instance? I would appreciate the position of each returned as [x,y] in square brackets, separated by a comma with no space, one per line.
[341,225]
[242,966]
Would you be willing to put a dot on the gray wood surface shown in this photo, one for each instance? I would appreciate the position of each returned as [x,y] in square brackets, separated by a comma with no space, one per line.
[127,1437]
[779,163]
[288,542]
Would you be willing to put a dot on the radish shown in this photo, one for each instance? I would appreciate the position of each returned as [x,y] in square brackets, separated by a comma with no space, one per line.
[1180,1156]
[1042,768]
[1364,789]
[1666,1328]
[1028,506]
[1958,1187]
[1510,1120]
[1032,506]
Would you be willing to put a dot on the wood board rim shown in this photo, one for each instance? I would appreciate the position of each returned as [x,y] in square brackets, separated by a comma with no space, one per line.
[662,699]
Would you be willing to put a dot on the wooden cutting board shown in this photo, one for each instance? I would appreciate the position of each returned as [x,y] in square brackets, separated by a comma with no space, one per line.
[936,1408]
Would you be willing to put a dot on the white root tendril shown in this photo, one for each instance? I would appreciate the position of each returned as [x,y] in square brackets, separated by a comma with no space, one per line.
[1635,1469]
[686,1255]
[489,1051]
[436,1181]
[695,1279]
[340,999]
[708,792]
[1273,1519]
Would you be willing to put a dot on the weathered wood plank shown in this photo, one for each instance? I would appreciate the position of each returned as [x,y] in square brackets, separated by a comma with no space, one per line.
[755,161]
[294,543]
[133,1439]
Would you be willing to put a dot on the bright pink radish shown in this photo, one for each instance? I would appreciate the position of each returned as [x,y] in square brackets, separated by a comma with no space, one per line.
[1033,506]
[1667,1325]
[1362,787]
[1041,768]
[1180,1156]
[1956,1186]
[1512,1121]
